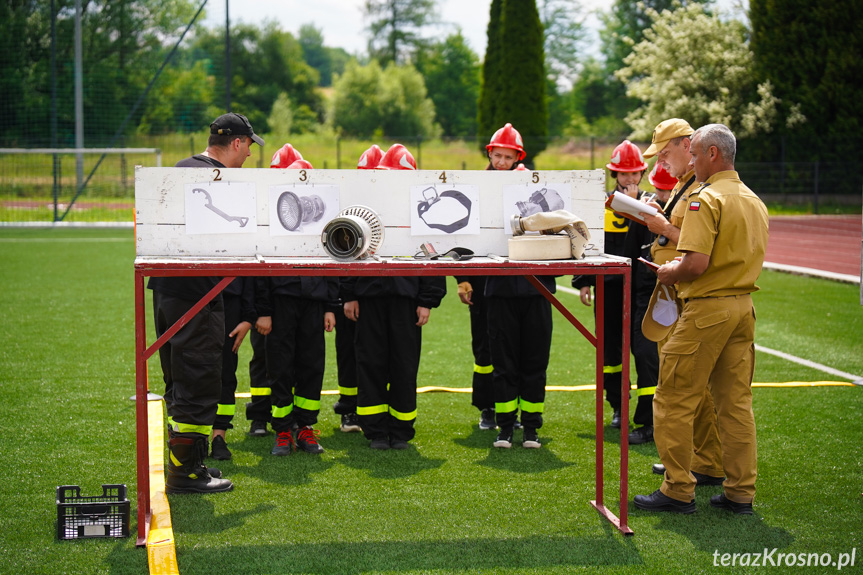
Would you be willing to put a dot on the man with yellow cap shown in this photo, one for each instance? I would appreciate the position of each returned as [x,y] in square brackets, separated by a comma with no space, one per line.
[671,144]
[723,239]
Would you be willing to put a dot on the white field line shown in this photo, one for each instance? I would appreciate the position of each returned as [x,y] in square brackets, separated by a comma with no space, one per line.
[793,358]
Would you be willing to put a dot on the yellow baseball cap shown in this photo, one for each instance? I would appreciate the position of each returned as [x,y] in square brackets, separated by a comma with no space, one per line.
[666,131]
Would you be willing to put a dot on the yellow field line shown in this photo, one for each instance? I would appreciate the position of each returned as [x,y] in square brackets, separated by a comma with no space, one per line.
[591,387]
[161,553]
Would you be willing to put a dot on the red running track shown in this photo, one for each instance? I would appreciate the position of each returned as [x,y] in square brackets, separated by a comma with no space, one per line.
[827,243]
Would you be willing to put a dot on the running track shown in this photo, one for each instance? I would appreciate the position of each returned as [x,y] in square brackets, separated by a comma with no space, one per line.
[826,243]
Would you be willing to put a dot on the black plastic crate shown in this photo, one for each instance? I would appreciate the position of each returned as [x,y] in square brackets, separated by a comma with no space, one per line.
[103,516]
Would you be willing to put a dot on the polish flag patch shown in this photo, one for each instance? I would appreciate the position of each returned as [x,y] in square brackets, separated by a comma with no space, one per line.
[693,206]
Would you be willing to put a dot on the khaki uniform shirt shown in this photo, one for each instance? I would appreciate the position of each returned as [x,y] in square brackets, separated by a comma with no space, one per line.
[728,222]
[664,254]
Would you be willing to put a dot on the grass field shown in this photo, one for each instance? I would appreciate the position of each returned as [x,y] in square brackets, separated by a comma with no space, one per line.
[451,504]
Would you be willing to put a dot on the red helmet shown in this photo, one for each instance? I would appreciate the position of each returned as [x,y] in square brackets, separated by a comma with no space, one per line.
[660,178]
[285,156]
[521,168]
[370,158]
[508,137]
[397,158]
[626,158]
[301,165]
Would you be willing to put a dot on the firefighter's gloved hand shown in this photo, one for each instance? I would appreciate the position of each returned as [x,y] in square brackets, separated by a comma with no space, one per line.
[465,291]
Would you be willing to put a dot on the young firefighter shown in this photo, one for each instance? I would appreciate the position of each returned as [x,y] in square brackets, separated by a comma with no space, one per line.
[389,312]
[627,167]
[239,299]
[504,151]
[259,410]
[346,359]
[192,359]
[297,311]
[519,332]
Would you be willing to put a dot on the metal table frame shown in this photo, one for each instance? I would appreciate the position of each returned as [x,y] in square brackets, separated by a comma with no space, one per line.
[229,269]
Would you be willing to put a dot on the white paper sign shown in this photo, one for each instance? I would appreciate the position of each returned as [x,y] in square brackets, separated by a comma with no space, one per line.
[302,209]
[220,208]
[444,209]
[528,199]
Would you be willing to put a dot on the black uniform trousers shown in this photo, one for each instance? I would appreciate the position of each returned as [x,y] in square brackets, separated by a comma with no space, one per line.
[612,358]
[387,344]
[483,378]
[295,361]
[646,356]
[346,361]
[227,402]
[191,362]
[519,330]
[260,408]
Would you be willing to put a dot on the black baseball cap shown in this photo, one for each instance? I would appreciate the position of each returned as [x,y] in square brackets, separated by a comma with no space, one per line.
[235,125]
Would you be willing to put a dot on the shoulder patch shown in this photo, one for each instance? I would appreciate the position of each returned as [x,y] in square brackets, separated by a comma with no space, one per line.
[694,206]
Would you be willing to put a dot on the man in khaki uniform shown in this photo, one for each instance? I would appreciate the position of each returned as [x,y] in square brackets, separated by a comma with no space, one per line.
[723,239]
[671,145]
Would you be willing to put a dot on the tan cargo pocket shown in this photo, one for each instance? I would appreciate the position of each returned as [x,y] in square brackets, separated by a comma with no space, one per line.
[713,319]
[677,363]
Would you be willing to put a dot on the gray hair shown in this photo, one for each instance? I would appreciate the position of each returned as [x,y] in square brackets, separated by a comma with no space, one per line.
[718,135]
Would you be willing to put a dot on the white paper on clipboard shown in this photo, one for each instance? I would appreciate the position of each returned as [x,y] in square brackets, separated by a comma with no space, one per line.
[629,207]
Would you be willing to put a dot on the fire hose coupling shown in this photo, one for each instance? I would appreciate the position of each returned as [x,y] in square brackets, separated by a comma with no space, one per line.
[355,234]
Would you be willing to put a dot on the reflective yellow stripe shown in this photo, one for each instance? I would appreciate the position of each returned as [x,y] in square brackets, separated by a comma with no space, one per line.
[347,390]
[483,368]
[372,409]
[530,407]
[403,416]
[508,407]
[189,428]
[170,422]
[307,404]
[280,412]
[260,391]
[612,368]
[645,391]
[226,409]
[615,224]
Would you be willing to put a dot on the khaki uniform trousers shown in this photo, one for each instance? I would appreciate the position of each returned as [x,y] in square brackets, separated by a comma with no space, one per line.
[710,349]
[706,453]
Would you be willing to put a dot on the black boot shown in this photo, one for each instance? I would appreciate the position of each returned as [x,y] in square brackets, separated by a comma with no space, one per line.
[186,470]
[205,446]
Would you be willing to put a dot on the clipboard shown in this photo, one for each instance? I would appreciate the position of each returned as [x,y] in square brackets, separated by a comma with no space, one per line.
[628,207]
[649,264]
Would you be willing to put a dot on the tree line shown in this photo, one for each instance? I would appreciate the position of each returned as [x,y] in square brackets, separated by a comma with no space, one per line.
[784,78]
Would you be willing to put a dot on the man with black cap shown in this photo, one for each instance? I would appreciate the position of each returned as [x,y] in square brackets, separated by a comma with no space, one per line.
[192,359]
[231,137]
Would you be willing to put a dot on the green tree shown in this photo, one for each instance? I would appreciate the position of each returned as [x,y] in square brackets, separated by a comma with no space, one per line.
[523,100]
[564,31]
[709,80]
[492,77]
[315,53]
[810,52]
[392,102]
[451,72]
[355,110]
[406,110]
[124,43]
[264,64]
[395,27]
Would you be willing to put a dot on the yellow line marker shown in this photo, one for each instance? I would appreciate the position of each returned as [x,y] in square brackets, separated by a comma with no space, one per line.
[161,553]
[591,387]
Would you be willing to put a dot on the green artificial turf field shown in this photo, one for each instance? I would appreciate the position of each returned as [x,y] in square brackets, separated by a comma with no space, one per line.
[452,503]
